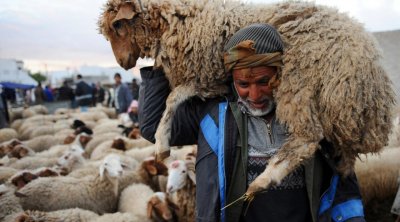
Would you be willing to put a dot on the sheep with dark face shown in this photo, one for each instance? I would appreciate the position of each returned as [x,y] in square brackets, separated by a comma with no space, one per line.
[332,84]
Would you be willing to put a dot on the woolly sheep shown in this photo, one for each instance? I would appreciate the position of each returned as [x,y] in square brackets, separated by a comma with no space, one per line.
[150,172]
[67,215]
[177,35]
[141,154]
[73,215]
[90,116]
[32,162]
[7,134]
[10,206]
[182,187]
[394,137]
[135,199]
[6,173]
[16,124]
[41,143]
[97,140]
[377,178]
[97,193]
[111,112]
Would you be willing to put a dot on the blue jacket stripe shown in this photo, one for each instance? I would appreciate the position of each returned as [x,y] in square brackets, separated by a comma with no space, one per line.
[327,198]
[210,132]
[221,160]
[347,210]
[215,138]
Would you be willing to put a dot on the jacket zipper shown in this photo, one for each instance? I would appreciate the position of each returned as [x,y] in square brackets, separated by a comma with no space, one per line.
[269,131]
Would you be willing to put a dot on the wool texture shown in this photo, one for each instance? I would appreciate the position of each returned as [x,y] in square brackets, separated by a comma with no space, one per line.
[332,83]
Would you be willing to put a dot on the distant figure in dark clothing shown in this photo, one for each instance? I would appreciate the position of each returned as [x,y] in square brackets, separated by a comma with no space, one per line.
[83,93]
[66,93]
[4,117]
[100,93]
[135,90]
[40,96]
[94,94]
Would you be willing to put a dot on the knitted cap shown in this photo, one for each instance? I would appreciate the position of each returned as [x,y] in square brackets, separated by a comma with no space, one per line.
[266,38]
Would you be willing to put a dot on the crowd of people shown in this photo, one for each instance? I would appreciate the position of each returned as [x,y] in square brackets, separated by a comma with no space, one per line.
[80,94]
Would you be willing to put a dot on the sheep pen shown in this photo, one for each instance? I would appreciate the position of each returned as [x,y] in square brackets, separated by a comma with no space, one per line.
[332,84]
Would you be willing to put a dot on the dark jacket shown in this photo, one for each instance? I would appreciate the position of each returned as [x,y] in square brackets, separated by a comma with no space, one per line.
[198,122]
[83,94]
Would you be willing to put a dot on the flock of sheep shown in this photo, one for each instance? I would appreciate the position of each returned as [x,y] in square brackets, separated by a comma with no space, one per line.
[71,166]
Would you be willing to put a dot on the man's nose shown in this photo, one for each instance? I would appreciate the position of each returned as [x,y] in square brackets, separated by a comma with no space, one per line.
[254,93]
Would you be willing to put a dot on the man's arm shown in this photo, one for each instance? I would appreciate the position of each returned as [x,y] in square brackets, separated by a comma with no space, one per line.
[153,94]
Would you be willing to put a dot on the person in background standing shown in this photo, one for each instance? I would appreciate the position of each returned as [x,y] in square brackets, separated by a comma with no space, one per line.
[39,94]
[66,93]
[122,95]
[135,89]
[100,93]
[48,93]
[4,117]
[83,94]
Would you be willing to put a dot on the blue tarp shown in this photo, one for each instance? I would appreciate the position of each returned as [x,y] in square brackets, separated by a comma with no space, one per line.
[12,85]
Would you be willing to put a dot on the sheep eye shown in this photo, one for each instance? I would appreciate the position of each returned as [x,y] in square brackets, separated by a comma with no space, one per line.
[117,25]
[183,171]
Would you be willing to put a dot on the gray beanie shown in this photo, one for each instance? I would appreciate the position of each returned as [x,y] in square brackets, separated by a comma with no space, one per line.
[266,38]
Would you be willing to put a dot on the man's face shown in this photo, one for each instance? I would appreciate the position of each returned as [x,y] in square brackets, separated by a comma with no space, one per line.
[252,87]
[117,79]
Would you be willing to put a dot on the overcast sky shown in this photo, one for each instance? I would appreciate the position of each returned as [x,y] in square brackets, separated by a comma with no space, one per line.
[60,34]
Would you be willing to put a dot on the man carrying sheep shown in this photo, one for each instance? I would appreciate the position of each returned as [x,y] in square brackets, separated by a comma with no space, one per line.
[239,133]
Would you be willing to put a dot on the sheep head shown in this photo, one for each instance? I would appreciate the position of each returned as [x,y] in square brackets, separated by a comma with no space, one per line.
[111,166]
[116,24]
[20,180]
[160,207]
[179,172]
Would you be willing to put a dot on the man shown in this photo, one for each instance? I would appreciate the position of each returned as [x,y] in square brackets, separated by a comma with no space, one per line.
[4,117]
[122,95]
[66,93]
[135,89]
[40,96]
[83,94]
[251,135]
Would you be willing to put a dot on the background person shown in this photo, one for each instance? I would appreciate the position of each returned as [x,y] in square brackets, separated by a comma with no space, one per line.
[122,95]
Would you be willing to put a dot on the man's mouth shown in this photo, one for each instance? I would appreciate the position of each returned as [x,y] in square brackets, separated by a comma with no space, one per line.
[258,105]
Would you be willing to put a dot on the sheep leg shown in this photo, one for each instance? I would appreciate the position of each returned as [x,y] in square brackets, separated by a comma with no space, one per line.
[163,134]
[288,158]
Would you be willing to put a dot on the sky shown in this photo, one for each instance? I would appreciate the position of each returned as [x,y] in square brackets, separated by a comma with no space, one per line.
[62,34]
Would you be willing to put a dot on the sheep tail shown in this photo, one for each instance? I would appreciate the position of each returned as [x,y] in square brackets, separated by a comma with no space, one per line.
[163,134]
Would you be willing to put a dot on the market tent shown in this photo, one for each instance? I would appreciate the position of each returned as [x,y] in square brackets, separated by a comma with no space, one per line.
[11,85]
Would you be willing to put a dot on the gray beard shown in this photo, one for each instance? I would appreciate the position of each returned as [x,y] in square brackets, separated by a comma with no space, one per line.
[245,107]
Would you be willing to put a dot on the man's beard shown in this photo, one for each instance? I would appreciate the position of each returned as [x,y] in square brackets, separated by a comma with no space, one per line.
[245,106]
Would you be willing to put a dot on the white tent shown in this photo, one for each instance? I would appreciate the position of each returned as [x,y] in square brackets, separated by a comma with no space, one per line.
[12,70]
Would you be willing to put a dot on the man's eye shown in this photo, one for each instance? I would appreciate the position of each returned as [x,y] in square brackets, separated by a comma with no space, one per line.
[242,84]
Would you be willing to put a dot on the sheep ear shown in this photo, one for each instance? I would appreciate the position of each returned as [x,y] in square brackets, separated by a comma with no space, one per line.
[102,169]
[18,194]
[149,209]
[151,169]
[192,176]
[126,11]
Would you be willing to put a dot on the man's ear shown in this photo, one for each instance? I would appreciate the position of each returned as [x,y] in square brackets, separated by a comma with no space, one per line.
[126,11]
